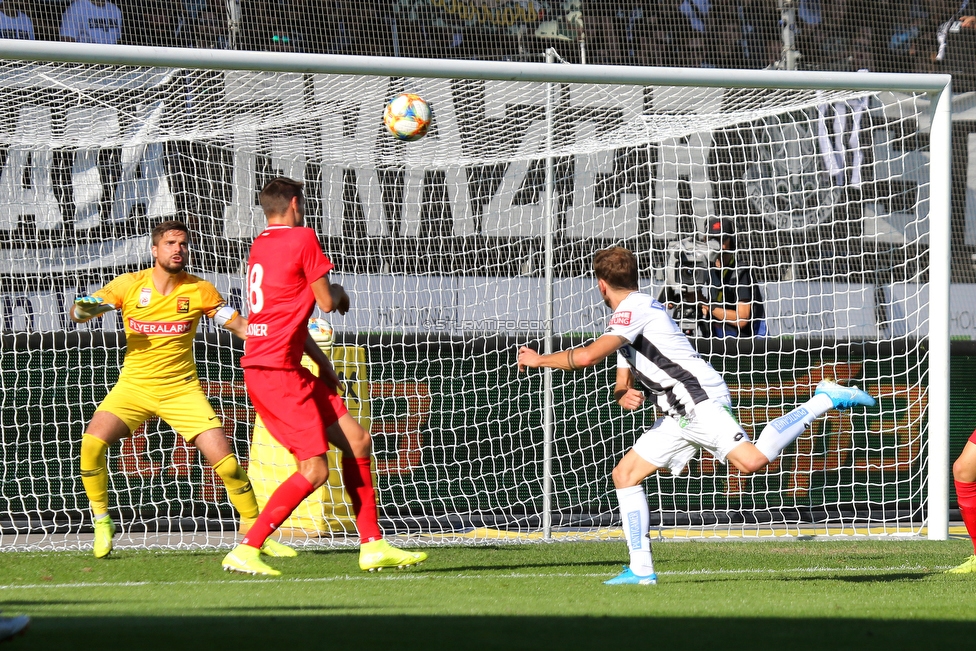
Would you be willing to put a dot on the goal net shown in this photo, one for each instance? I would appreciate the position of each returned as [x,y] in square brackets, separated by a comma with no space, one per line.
[442,245]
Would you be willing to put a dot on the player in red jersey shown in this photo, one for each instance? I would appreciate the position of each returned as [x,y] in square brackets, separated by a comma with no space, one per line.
[964,477]
[287,275]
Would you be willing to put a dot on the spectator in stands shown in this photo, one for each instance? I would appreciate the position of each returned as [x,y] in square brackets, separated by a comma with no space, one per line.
[92,21]
[210,29]
[723,37]
[14,23]
[599,23]
[956,42]
[862,49]
[762,40]
[735,306]
[690,32]
[161,23]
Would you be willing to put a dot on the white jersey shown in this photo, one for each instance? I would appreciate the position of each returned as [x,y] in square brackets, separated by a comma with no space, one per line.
[661,358]
[88,23]
[19,27]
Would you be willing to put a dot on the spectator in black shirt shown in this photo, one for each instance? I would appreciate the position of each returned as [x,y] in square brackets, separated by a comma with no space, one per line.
[735,307]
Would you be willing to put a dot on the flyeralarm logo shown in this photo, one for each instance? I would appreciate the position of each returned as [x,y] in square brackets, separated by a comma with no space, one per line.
[160,327]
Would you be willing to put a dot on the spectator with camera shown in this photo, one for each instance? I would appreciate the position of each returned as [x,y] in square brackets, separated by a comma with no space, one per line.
[735,304]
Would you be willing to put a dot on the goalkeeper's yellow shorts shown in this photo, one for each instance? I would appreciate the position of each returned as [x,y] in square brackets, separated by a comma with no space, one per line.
[182,405]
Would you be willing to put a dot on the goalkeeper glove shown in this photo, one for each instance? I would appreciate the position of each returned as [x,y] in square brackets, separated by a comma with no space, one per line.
[322,334]
[88,307]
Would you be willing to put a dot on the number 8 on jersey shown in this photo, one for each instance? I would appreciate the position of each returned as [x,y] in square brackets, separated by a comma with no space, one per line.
[255,296]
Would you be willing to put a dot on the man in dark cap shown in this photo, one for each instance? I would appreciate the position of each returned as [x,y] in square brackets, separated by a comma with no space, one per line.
[735,307]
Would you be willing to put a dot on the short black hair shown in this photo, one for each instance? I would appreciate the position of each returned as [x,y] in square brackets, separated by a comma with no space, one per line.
[278,193]
[166,226]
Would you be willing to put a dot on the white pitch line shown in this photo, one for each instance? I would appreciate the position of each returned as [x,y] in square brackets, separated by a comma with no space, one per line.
[454,577]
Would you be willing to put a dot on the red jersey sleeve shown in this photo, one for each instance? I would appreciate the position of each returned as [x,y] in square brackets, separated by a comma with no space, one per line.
[314,263]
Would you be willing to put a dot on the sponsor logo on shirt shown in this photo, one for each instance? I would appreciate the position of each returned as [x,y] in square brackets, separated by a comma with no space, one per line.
[144,296]
[620,318]
[160,327]
[182,305]
[257,329]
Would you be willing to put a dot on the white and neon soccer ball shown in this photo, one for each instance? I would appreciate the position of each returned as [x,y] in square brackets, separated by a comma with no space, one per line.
[322,333]
[407,116]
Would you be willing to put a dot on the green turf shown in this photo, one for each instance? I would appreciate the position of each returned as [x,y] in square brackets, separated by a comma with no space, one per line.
[782,594]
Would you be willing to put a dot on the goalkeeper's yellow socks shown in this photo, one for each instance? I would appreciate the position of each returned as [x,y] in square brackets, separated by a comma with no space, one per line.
[94,473]
[238,487]
[359,483]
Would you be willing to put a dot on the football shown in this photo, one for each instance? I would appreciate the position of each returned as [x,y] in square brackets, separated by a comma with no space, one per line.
[322,334]
[407,116]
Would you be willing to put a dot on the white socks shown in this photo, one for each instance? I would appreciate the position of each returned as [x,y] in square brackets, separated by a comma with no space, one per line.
[636,518]
[784,430]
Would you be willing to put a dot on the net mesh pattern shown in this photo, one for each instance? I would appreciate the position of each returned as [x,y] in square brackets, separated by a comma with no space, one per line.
[441,245]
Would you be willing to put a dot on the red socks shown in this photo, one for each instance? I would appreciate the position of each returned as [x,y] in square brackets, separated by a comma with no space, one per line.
[283,501]
[359,484]
[287,497]
[966,496]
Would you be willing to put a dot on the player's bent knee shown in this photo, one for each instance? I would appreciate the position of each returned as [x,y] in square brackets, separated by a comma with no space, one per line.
[964,471]
[315,470]
[350,437]
[624,477]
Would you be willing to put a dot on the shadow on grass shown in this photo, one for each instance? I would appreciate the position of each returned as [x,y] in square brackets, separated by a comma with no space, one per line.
[821,576]
[519,567]
[405,633]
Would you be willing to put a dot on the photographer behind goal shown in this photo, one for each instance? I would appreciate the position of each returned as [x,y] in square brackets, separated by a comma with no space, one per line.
[707,294]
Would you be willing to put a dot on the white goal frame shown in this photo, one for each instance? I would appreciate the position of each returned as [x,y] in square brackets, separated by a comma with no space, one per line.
[937,87]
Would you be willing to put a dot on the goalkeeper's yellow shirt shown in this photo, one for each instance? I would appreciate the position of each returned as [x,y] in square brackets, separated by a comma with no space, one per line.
[159,329]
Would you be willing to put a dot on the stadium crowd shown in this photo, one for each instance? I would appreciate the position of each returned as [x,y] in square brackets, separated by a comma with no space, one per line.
[879,35]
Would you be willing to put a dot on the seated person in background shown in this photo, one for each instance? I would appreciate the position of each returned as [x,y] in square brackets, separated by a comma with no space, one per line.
[735,306]
[14,23]
[92,21]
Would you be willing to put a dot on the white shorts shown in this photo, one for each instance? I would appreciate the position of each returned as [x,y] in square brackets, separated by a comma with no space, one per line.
[673,441]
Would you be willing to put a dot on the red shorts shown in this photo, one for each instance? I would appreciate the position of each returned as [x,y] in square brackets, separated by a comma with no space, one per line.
[295,406]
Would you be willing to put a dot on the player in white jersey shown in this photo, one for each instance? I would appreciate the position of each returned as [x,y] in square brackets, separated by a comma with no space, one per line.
[692,396]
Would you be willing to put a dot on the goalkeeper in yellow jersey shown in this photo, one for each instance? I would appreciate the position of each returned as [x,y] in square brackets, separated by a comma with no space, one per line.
[161,308]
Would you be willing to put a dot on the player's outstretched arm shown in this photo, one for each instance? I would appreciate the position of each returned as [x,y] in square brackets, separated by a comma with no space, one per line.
[86,308]
[624,393]
[231,320]
[572,359]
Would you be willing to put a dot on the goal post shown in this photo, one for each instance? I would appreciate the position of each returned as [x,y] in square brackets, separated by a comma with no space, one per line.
[457,249]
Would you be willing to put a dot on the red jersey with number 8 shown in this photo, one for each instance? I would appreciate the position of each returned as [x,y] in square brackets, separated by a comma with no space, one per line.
[284,261]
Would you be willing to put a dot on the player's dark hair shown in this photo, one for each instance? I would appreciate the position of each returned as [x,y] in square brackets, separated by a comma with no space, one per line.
[617,267]
[168,225]
[278,193]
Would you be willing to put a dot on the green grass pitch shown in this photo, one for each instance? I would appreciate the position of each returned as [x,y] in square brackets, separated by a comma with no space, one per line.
[784,594]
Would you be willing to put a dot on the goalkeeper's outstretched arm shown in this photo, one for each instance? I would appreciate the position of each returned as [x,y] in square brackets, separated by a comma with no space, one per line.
[572,359]
[232,321]
[86,308]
